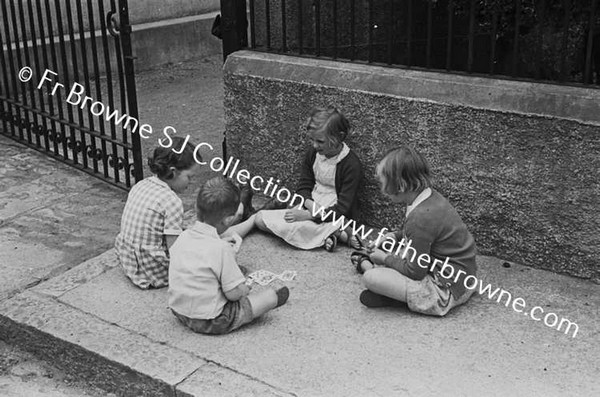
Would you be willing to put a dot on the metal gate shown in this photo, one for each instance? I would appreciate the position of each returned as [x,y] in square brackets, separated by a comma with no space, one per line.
[67,85]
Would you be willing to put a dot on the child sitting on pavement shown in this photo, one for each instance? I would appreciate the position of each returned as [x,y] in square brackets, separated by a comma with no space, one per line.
[153,215]
[330,176]
[437,245]
[207,291]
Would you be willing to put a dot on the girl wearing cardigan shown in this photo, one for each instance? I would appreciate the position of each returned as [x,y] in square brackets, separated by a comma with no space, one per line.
[329,177]
[436,253]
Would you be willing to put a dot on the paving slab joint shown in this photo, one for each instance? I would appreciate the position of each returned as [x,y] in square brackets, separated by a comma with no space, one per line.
[252,378]
[215,379]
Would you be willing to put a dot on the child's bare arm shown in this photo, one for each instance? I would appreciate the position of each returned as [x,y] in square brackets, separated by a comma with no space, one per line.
[232,238]
[309,203]
[238,292]
[312,205]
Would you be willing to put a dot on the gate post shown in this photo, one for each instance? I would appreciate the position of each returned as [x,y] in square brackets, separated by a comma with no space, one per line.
[234,33]
[132,107]
[234,26]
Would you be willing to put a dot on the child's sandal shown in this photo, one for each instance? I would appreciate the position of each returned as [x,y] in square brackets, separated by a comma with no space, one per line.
[333,239]
[357,258]
[351,240]
[355,242]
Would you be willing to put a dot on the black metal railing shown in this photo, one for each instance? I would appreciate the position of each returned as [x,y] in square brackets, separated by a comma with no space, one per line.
[544,40]
[50,47]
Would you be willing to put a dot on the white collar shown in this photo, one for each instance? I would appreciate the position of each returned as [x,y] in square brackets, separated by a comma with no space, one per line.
[338,157]
[424,195]
[205,228]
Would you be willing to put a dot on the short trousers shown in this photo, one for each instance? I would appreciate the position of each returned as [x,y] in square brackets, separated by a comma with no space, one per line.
[234,315]
[430,296]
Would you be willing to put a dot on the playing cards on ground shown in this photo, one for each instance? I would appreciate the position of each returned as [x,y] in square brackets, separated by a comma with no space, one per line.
[265,277]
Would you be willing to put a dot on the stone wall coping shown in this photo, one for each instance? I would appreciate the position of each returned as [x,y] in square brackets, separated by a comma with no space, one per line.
[541,99]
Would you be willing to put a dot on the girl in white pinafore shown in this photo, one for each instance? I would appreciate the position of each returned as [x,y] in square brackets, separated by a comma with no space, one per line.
[329,177]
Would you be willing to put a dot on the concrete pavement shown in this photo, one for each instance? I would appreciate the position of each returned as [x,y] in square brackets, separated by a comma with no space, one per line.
[64,297]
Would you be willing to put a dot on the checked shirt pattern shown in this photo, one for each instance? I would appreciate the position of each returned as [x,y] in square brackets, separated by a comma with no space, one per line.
[152,211]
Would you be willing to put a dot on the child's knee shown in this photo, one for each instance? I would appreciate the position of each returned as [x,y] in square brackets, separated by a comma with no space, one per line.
[370,278]
[258,220]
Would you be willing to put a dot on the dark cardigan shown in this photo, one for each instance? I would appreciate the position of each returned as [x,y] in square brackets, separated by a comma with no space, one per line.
[436,229]
[348,177]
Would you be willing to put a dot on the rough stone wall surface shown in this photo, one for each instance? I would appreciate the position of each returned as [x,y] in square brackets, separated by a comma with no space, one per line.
[526,186]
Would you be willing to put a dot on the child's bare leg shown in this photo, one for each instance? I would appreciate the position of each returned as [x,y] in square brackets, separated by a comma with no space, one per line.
[258,221]
[243,228]
[268,299]
[350,239]
[387,282]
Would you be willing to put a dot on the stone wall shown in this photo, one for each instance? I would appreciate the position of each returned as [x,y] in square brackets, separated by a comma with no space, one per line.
[518,160]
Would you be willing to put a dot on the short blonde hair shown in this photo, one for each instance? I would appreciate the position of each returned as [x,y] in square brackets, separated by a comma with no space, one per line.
[403,169]
[332,122]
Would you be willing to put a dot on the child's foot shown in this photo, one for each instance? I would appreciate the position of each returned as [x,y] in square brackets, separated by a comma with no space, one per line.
[371,299]
[283,294]
[331,242]
[352,240]
[361,261]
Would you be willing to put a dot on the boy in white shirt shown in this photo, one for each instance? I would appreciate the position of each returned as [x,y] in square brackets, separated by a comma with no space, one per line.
[207,290]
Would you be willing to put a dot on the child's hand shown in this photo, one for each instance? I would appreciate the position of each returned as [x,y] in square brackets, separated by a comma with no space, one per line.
[388,235]
[372,246]
[249,283]
[295,215]
[234,239]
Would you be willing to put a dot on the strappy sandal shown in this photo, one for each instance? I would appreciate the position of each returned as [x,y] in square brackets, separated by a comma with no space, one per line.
[334,240]
[355,243]
[357,258]
[351,240]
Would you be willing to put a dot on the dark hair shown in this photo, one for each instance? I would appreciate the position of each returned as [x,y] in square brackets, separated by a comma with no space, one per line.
[163,158]
[403,169]
[218,197]
[333,123]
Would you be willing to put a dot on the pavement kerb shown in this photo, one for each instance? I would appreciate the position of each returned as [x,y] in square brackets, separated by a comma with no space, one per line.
[105,354]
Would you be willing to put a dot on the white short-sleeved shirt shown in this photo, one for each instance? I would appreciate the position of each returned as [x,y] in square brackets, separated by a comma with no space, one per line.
[202,268]
[152,211]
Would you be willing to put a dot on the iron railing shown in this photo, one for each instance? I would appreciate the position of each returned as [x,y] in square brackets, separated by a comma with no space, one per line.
[545,40]
[48,46]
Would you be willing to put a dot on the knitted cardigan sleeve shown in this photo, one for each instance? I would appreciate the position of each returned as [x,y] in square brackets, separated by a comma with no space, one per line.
[419,236]
[306,181]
